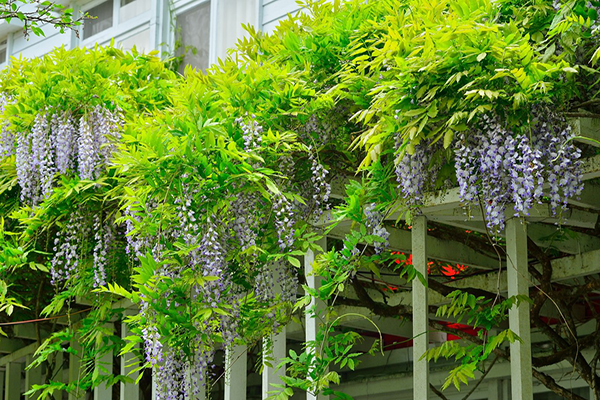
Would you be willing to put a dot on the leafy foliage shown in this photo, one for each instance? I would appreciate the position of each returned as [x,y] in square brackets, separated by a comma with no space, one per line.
[215,184]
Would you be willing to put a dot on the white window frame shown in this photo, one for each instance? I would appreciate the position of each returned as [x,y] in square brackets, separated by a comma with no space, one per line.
[4,46]
[119,31]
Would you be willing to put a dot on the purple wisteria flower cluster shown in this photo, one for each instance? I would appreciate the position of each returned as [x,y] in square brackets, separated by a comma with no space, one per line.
[374,225]
[67,246]
[85,233]
[416,172]
[284,221]
[252,133]
[275,280]
[245,219]
[180,375]
[213,244]
[498,168]
[7,138]
[57,144]
[104,237]
[322,188]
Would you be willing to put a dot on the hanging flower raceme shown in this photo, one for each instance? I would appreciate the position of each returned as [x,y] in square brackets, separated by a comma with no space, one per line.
[374,224]
[7,138]
[502,169]
[497,168]
[56,143]
[67,245]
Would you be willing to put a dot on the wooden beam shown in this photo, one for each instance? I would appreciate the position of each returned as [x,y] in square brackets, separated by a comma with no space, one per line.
[75,369]
[544,235]
[538,213]
[589,197]
[587,128]
[129,363]
[565,268]
[12,380]
[33,376]
[443,250]
[10,345]
[271,374]
[17,355]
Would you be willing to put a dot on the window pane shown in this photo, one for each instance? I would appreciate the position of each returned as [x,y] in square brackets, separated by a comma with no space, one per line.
[103,20]
[232,14]
[3,45]
[193,29]
[133,8]
[141,41]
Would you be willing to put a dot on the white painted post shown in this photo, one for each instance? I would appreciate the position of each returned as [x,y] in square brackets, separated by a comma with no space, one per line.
[154,386]
[315,308]
[105,367]
[33,376]
[74,40]
[201,395]
[236,373]
[495,389]
[74,369]
[518,317]
[12,381]
[203,390]
[272,375]
[2,376]
[58,373]
[128,391]
[420,309]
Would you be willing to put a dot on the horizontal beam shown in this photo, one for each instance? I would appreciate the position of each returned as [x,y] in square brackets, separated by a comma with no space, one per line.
[563,269]
[10,345]
[443,250]
[544,235]
[17,355]
[587,128]
[589,197]
[538,213]
[357,318]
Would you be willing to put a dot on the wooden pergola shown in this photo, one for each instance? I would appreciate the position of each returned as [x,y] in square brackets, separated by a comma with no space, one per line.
[509,277]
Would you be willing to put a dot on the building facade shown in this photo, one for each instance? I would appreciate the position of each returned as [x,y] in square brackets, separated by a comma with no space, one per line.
[203,30]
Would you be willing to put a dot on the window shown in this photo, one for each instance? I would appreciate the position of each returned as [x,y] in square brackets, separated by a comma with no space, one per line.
[141,41]
[193,28]
[103,19]
[231,15]
[3,51]
[133,8]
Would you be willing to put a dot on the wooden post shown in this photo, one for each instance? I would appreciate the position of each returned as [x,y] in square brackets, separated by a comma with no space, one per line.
[105,367]
[59,374]
[272,375]
[74,369]
[236,372]
[518,317]
[420,309]
[316,307]
[129,391]
[33,376]
[495,389]
[12,381]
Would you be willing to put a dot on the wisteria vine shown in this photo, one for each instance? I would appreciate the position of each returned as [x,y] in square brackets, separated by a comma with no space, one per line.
[496,167]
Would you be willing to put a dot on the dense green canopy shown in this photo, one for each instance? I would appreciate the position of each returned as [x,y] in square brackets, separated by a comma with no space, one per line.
[193,196]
